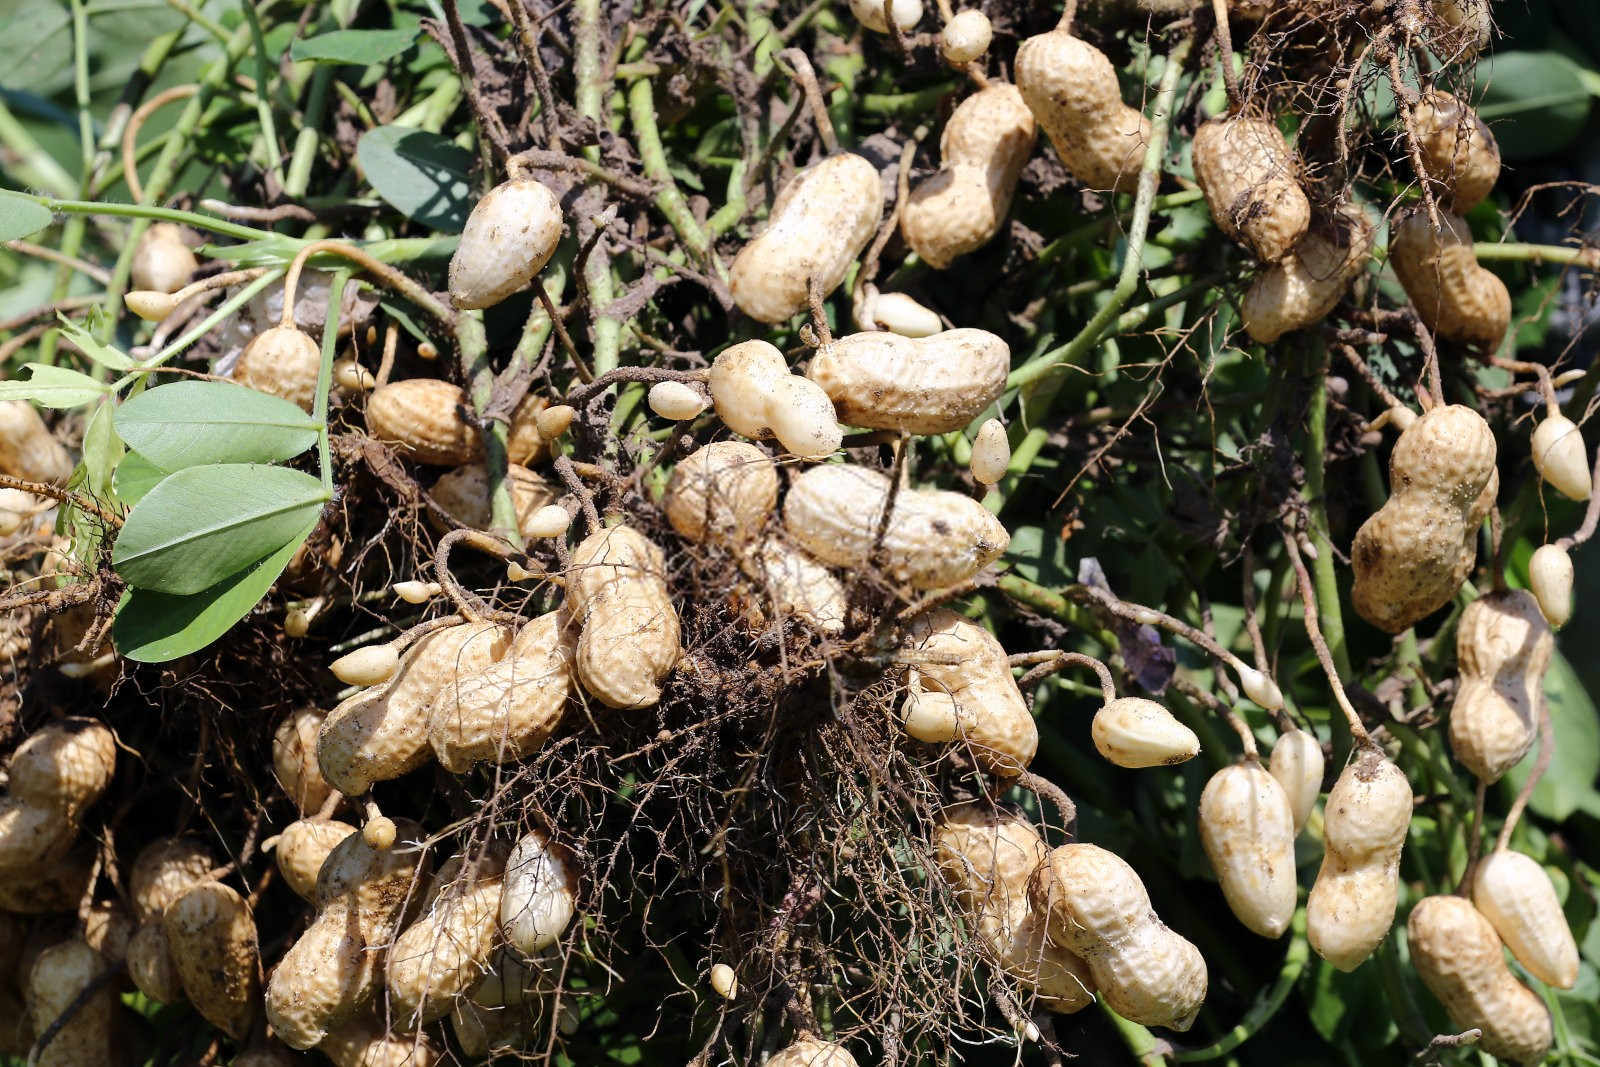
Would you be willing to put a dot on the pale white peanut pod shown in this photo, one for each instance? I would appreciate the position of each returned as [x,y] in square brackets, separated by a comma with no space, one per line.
[801,416]
[722,492]
[965,37]
[677,401]
[1352,902]
[444,953]
[1134,732]
[149,304]
[798,585]
[371,665]
[301,849]
[1247,828]
[294,760]
[629,638]
[92,1035]
[1517,897]
[1550,578]
[162,261]
[951,654]
[898,313]
[508,238]
[552,520]
[724,983]
[1297,764]
[1561,458]
[539,894]
[27,448]
[931,715]
[870,13]
[991,453]
[809,1051]
[741,381]
[921,385]
[507,710]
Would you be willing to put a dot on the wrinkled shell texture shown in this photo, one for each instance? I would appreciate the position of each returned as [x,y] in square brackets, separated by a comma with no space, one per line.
[1307,284]
[363,1042]
[934,538]
[382,733]
[508,709]
[808,1052]
[165,870]
[1517,897]
[1097,907]
[1134,732]
[302,847]
[628,628]
[951,654]
[151,967]
[1297,763]
[464,493]
[1455,297]
[800,586]
[921,385]
[1072,89]
[1247,828]
[1458,151]
[444,952]
[212,937]
[721,492]
[294,760]
[1458,956]
[283,363]
[1351,905]
[822,219]
[1413,554]
[161,260]
[56,773]
[985,145]
[1247,173]
[1503,647]
[508,239]
[538,894]
[419,418]
[92,1035]
[27,448]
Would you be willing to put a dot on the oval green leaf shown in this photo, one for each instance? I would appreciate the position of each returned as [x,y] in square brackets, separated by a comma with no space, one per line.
[421,175]
[54,387]
[20,217]
[1536,102]
[134,477]
[187,424]
[361,47]
[204,524]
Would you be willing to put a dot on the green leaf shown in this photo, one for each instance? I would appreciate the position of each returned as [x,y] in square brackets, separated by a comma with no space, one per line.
[203,524]
[54,387]
[361,47]
[134,477]
[187,424]
[1569,783]
[92,346]
[154,627]
[101,448]
[1536,102]
[420,174]
[20,217]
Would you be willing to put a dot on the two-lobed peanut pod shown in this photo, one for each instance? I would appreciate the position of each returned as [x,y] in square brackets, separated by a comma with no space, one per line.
[933,538]
[1096,907]
[27,448]
[538,894]
[1352,902]
[1247,828]
[798,585]
[1297,763]
[1134,732]
[1072,89]
[302,848]
[212,937]
[508,238]
[57,773]
[1560,457]
[162,261]
[1459,154]
[1460,959]
[984,147]
[1455,297]
[1413,554]
[164,871]
[1503,646]
[822,219]
[92,1034]
[757,396]
[294,760]
[510,708]
[628,634]
[920,385]
[721,492]
[1517,897]
[1305,285]
[955,656]
[1550,579]
[1249,178]
[464,493]
[812,1052]
[444,953]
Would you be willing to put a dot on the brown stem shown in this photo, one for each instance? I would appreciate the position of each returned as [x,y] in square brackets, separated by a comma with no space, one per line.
[1224,38]
[586,393]
[528,34]
[130,134]
[806,78]
[488,122]
[1052,661]
[579,364]
[1308,598]
[1474,840]
[61,496]
[385,273]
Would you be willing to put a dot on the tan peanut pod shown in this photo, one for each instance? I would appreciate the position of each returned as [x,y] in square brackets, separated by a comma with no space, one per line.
[108,929]
[1097,908]
[1517,897]
[1413,554]
[282,361]
[212,937]
[965,37]
[1561,458]
[1072,89]
[1304,287]
[983,149]
[93,1034]
[931,715]
[1458,956]
[363,1042]
[628,637]
[1297,763]
[906,14]
[741,381]
[1503,647]
[1550,578]
[933,539]
[151,966]
[811,1052]
[1455,297]
[1247,828]
[947,653]
[480,1030]
[1459,154]
[464,493]
[677,401]
[383,733]
[721,492]
[525,441]
[165,870]
[294,760]
[507,710]
[1460,29]
[539,893]
[821,220]
[420,419]
[508,238]
[55,774]
[162,262]
[302,848]
[1134,732]
[27,448]
[1248,175]
[1351,905]
[921,385]
[798,585]
[448,949]
[897,313]
[56,885]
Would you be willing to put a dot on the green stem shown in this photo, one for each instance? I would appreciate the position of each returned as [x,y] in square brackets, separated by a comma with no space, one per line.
[592,84]
[1266,1004]
[211,321]
[150,213]
[330,347]
[269,128]
[1561,255]
[1324,577]
[32,165]
[298,178]
[479,376]
[642,113]
[1148,1051]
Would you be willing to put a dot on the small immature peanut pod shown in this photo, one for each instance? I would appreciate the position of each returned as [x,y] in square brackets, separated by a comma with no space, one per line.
[822,219]
[1517,897]
[420,418]
[1247,828]
[212,937]
[1096,907]
[1302,288]
[1455,297]
[920,385]
[949,654]
[1072,89]
[809,1051]
[722,492]
[991,453]
[539,894]
[1259,687]
[1297,764]
[1248,176]
[724,983]
[162,262]
[1413,554]
[464,493]
[1550,578]
[985,145]
[282,361]
[27,448]
[1459,958]
[1561,458]
[371,665]
[59,975]
[509,237]
[448,948]
[552,422]
[364,1042]
[628,637]
[933,538]
[415,592]
[150,304]
[755,396]
[57,773]
[798,585]
[1503,647]
[525,440]
[352,377]
[870,13]
[965,37]
[1352,902]
[677,401]
[897,313]
[294,760]
[303,846]
[508,709]
[551,520]
[1459,154]
[1460,29]
[1134,732]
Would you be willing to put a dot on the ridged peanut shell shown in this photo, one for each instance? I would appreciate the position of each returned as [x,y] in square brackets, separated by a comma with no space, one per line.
[325,978]
[1303,287]
[800,586]
[508,238]
[92,1035]
[1352,902]
[809,1052]
[1455,297]
[65,765]
[294,760]
[1517,897]
[49,885]
[162,261]
[1459,153]
[538,894]
[1072,90]
[1247,173]
[628,637]
[164,870]
[1247,829]
[507,710]
[722,492]
[302,847]
[419,418]
[27,448]
[447,950]
[108,929]
[951,654]
[363,1042]
[1297,763]
[283,362]
[986,856]
[464,493]
[1503,647]
[1134,732]
[212,937]
[922,385]
[151,966]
